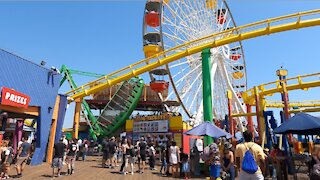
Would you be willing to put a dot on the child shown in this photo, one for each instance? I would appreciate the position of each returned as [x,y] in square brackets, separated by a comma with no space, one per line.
[185,165]
[163,159]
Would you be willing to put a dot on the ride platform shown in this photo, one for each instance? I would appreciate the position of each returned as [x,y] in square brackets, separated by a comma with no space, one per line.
[149,100]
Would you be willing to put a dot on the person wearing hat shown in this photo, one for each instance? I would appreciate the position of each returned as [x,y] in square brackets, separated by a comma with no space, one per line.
[227,159]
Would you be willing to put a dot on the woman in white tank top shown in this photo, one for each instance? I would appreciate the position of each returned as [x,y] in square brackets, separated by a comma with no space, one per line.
[174,159]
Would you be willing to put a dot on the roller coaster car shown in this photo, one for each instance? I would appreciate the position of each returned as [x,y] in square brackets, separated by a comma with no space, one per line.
[152,38]
[235,57]
[153,6]
[237,75]
[159,85]
[151,49]
[152,19]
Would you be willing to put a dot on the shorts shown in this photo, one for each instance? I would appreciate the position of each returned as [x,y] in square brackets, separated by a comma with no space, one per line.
[243,176]
[71,161]
[105,155]
[143,157]
[115,156]
[185,167]
[131,159]
[215,171]
[57,163]
[21,160]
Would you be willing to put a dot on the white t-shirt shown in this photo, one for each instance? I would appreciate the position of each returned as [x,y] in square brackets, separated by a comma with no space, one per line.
[7,152]
[19,144]
[152,151]
[65,142]
[79,142]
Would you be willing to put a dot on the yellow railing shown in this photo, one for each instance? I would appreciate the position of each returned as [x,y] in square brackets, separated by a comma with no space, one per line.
[274,25]
[300,104]
[299,82]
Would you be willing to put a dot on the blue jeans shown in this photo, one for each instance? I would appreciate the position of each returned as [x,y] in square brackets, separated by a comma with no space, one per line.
[84,155]
[163,165]
[232,172]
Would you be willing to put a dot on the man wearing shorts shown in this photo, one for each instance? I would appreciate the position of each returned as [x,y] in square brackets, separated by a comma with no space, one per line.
[58,152]
[112,150]
[22,156]
[105,149]
[142,154]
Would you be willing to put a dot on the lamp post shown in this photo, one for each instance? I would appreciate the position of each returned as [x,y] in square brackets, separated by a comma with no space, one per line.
[282,73]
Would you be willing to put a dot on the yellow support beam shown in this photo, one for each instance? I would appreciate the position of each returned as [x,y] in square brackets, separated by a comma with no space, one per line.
[225,37]
[305,110]
[53,130]
[244,114]
[279,104]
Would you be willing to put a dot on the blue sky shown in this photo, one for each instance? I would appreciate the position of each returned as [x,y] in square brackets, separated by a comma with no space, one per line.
[104,36]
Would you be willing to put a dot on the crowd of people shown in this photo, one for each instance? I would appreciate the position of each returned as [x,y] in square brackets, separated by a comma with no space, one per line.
[222,158]
[19,159]
[247,160]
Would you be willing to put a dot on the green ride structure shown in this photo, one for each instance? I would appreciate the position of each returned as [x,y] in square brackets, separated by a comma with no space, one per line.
[118,109]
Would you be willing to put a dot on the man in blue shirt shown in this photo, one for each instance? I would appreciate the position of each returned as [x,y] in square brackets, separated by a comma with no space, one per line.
[22,157]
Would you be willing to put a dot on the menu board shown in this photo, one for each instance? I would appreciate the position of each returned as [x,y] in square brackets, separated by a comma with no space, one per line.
[151,126]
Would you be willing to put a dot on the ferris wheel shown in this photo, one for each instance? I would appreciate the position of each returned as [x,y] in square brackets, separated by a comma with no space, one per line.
[169,23]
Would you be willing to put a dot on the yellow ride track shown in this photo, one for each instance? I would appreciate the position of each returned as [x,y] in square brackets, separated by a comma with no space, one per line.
[261,28]
[295,83]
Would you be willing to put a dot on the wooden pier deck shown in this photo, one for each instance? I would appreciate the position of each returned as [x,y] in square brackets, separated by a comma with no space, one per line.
[88,170]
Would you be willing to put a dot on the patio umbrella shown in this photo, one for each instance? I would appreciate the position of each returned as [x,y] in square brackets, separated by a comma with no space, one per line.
[300,124]
[208,129]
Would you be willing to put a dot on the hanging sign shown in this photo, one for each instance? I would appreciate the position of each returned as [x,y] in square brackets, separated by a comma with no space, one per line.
[13,98]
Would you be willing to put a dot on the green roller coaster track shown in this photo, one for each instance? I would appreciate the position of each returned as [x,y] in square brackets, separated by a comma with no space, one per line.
[133,87]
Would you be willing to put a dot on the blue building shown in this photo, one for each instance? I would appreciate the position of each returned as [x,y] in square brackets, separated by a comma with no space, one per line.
[30,90]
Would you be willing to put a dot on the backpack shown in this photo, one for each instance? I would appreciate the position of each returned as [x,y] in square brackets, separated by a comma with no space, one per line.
[249,165]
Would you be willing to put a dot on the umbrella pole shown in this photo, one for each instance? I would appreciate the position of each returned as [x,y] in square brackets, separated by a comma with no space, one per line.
[207,97]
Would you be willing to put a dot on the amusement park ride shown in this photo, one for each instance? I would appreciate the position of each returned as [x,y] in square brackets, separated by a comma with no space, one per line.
[194,56]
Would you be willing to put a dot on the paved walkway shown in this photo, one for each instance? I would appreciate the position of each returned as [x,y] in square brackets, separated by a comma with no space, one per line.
[89,170]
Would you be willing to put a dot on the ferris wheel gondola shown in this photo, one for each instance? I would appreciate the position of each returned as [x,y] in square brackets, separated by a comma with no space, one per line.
[170,23]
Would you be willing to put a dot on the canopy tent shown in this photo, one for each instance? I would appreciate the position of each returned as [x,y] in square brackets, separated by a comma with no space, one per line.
[208,129]
[300,124]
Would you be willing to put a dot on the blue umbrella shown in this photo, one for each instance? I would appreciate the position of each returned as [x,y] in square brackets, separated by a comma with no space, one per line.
[208,129]
[301,124]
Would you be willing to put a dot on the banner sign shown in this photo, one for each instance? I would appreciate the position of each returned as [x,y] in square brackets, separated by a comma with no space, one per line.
[13,98]
[151,126]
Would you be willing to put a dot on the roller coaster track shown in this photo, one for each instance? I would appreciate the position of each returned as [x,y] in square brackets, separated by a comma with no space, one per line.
[240,33]
[299,82]
[293,104]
